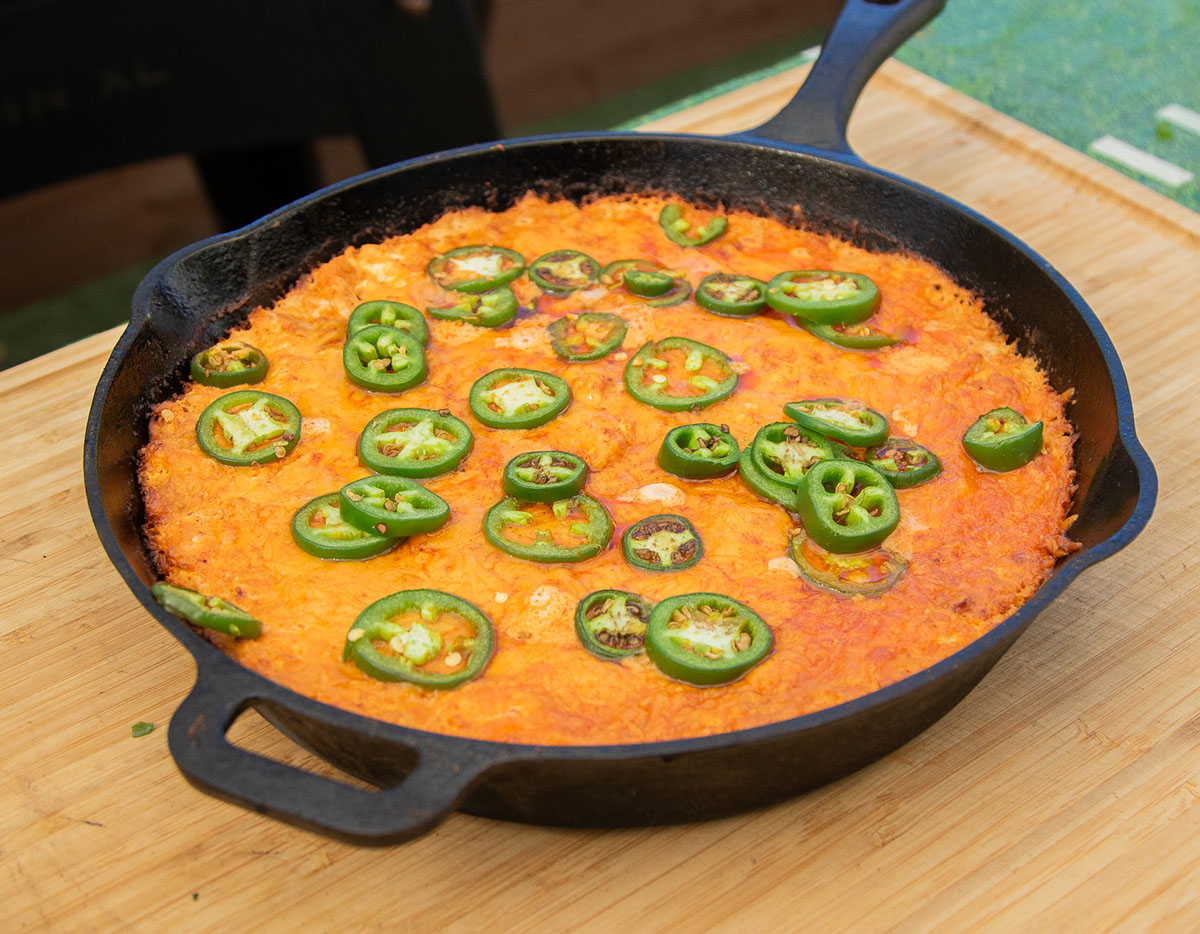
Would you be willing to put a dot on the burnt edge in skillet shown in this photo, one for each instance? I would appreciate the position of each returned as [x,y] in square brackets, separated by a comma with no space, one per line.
[194,297]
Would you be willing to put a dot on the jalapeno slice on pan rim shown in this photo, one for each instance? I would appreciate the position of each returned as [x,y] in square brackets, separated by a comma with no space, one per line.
[731,294]
[418,443]
[823,296]
[785,452]
[389,505]
[665,542]
[319,528]
[611,624]
[259,427]
[381,358]
[491,309]
[205,611]
[512,397]
[677,227]
[706,638]
[846,420]
[456,657]
[393,314]
[855,574]
[475,268]
[646,379]
[229,363]
[698,452]
[544,476]
[594,527]
[847,506]
[563,271]
[1003,440]
[589,335]
[903,462]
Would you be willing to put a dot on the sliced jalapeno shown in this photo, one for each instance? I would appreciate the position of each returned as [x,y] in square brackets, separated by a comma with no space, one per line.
[384,359]
[567,531]
[416,443]
[698,452]
[391,314]
[676,226]
[428,638]
[648,284]
[785,452]
[229,363]
[563,271]
[732,295]
[676,373]
[483,310]
[847,506]
[206,612]
[706,638]
[319,528]
[544,476]
[589,335]
[392,506]
[844,419]
[662,543]
[248,427]
[823,296]
[517,398]
[648,279]
[904,463]
[862,574]
[477,268]
[613,275]
[851,336]
[611,624]
[763,482]
[1003,440]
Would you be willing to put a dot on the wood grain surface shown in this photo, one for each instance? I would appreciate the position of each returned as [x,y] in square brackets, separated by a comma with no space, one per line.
[1062,794]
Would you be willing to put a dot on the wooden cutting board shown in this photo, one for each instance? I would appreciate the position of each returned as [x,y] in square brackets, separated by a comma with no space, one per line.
[1063,794]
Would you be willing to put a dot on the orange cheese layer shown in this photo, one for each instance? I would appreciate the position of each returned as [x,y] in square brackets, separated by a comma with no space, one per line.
[979,543]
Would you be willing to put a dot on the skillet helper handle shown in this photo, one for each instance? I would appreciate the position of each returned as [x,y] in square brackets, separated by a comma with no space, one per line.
[426,796]
[865,34]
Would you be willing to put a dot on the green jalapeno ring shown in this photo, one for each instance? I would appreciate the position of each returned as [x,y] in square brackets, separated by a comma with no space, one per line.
[903,462]
[596,529]
[698,452]
[678,293]
[613,275]
[785,452]
[844,420]
[561,272]
[512,397]
[611,624]
[648,284]
[332,537]
[491,309]
[575,329]
[665,542]
[476,268]
[706,638]
[418,645]
[655,392]
[206,612]
[862,574]
[437,444]
[847,506]
[265,428]
[851,336]
[382,358]
[389,505]
[1003,440]
[676,227]
[229,363]
[823,296]
[544,476]
[392,314]
[763,481]
[731,295]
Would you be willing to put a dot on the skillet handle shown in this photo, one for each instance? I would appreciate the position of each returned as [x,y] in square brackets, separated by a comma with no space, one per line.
[865,34]
[425,797]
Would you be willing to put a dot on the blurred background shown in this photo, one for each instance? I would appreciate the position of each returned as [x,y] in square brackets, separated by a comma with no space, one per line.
[131,130]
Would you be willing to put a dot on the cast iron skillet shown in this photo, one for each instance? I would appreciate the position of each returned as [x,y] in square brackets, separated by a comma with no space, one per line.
[799,158]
